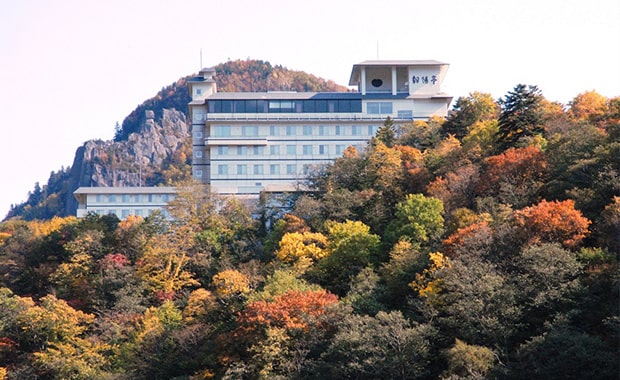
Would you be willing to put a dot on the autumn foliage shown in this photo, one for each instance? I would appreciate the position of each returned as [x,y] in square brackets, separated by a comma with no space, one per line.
[518,167]
[431,253]
[553,222]
[292,310]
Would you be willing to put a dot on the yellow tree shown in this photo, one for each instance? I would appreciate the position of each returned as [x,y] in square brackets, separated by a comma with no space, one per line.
[52,336]
[163,264]
[301,249]
[428,283]
[230,283]
[589,106]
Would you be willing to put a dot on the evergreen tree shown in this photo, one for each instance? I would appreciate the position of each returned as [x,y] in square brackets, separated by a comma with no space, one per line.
[521,116]
[477,107]
[386,134]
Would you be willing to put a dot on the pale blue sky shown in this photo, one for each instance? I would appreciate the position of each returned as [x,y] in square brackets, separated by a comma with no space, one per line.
[70,70]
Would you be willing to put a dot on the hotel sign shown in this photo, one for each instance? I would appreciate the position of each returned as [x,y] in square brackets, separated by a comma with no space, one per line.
[424,79]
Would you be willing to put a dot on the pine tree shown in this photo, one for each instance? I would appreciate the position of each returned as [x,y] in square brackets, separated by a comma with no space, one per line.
[521,116]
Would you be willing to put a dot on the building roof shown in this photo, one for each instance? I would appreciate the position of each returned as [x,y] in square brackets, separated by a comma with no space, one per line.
[283,95]
[355,72]
[126,190]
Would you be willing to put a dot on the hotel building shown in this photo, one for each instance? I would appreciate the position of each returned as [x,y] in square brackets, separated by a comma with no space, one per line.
[123,201]
[248,142]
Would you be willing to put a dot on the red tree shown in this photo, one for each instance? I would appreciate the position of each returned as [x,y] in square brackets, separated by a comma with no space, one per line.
[555,221]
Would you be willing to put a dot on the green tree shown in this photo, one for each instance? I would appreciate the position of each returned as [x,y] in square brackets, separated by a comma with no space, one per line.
[520,117]
[565,353]
[418,219]
[477,107]
[386,133]
[385,346]
[350,248]
[469,361]
[475,302]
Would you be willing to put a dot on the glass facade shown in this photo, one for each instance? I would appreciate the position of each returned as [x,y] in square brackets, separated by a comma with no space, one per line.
[286,106]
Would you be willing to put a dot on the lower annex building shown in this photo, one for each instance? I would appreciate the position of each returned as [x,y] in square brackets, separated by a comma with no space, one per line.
[248,142]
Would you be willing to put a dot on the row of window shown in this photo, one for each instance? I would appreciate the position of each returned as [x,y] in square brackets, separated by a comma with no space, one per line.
[276,150]
[273,169]
[290,130]
[285,106]
[124,213]
[133,198]
[258,169]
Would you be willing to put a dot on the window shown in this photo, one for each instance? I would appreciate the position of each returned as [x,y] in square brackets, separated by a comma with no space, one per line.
[338,130]
[112,198]
[258,150]
[274,149]
[291,169]
[323,130]
[198,91]
[198,154]
[305,169]
[278,106]
[356,130]
[222,169]
[372,130]
[344,106]
[321,106]
[379,107]
[340,149]
[242,150]
[274,169]
[290,130]
[307,149]
[221,131]
[242,169]
[198,135]
[407,115]
[239,106]
[125,198]
[307,130]
[323,149]
[99,198]
[308,106]
[291,150]
[164,198]
[249,131]
[125,213]
[259,169]
[251,106]
[274,131]
[227,106]
[222,150]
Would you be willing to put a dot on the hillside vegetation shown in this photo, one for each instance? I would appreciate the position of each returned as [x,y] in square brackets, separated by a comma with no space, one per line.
[484,246]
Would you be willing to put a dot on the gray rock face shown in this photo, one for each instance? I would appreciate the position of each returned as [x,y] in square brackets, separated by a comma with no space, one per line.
[137,161]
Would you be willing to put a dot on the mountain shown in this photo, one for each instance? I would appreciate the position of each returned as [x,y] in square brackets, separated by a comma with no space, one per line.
[152,146]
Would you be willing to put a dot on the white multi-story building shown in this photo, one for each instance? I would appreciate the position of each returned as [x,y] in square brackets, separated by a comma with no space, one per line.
[248,142]
[123,201]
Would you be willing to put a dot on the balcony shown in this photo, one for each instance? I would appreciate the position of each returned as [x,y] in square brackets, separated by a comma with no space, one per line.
[236,141]
[258,117]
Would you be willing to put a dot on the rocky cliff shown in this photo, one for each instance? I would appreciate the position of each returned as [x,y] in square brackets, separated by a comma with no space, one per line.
[139,160]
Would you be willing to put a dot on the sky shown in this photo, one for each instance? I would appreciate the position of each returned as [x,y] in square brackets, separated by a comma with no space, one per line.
[70,70]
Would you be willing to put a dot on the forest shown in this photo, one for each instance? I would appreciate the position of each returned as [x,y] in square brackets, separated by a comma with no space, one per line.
[480,246]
